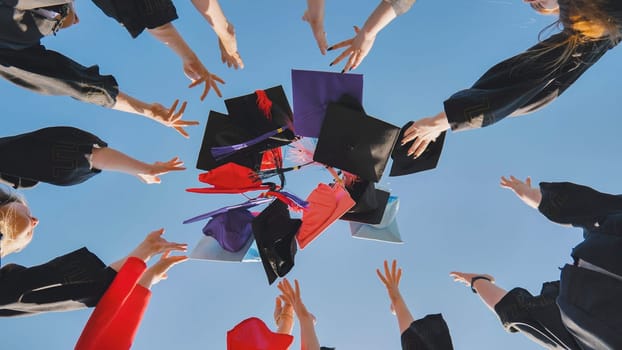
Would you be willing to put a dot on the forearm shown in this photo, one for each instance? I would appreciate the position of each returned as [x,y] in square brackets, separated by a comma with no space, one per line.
[169,36]
[404,317]
[285,324]
[380,18]
[308,338]
[110,159]
[211,10]
[489,293]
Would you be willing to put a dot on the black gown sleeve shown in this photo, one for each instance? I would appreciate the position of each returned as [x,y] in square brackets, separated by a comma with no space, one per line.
[138,15]
[49,73]
[522,84]
[537,317]
[428,333]
[577,205]
[72,281]
[55,155]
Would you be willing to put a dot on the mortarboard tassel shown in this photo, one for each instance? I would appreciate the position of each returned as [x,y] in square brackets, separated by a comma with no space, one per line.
[272,158]
[221,152]
[248,204]
[293,202]
[264,104]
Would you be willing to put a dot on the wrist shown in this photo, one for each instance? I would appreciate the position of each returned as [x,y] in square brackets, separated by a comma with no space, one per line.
[441,122]
[475,279]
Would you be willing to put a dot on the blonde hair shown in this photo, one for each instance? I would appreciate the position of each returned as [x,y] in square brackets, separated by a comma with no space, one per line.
[591,19]
[9,242]
[543,10]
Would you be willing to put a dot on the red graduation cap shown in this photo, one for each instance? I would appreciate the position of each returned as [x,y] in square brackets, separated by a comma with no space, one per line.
[230,178]
[253,334]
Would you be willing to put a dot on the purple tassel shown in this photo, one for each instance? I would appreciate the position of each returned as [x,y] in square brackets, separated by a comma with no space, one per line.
[301,202]
[248,204]
[221,152]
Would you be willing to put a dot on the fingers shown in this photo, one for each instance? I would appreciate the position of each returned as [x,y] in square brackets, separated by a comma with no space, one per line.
[298,295]
[213,83]
[382,278]
[528,181]
[320,38]
[341,44]
[155,234]
[343,55]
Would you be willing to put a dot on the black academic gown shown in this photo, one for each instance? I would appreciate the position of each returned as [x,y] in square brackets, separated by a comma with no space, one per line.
[27,63]
[72,281]
[428,333]
[522,84]
[138,15]
[582,311]
[56,155]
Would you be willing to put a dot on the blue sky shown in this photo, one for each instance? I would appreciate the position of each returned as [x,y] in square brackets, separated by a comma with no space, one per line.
[453,218]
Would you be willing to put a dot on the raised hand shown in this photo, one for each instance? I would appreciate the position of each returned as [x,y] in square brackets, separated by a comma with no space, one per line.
[466,278]
[158,271]
[523,190]
[293,297]
[171,118]
[196,71]
[228,45]
[314,15]
[423,132]
[356,49]
[391,279]
[151,176]
[154,244]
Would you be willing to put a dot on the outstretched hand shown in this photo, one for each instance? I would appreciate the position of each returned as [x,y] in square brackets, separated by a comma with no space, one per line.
[151,176]
[293,297]
[314,15]
[228,45]
[171,118]
[523,190]
[423,132]
[154,244]
[391,279]
[196,71]
[356,49]
[158,271]
[465,277]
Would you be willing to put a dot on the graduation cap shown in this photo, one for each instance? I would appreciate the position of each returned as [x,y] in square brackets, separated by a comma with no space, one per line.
[263,112]
[253,334]
[230,178]
[370,202]
[403,164]
[326,205]
[208,248]
[352,141]
[387,230]
[274,233]
[232,229]
[248,204]
[220,130]
[313,91]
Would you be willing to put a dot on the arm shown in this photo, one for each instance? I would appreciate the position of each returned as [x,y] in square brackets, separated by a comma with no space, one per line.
[391,281]
[283,316]
[314,14]
[211,10]
[488,292]
[155,111]
[110,159]
[358,47]
[517,86]
[308,337]
[193,67]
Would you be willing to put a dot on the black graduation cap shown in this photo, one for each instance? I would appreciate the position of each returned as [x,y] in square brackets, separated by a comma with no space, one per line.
[403,164]
[352,141]
[370,202]
[275,233]
[263,111]
[221,131]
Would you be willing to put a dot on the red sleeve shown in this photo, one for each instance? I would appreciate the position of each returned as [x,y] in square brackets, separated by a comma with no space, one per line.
[112,304]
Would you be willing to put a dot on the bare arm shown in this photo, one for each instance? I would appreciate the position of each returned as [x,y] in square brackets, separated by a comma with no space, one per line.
[359,46]
[155,111]
[308,337]
[110,159]
[211,10]
[391,280]
[488,292]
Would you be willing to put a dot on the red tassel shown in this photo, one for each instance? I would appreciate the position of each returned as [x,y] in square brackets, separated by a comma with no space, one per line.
[349,179]
[264,104]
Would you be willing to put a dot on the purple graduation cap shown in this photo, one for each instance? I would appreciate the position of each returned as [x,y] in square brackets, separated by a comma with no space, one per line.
[232,229]
[313,91]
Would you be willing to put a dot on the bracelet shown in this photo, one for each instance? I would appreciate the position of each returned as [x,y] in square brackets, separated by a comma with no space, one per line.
[478,278]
